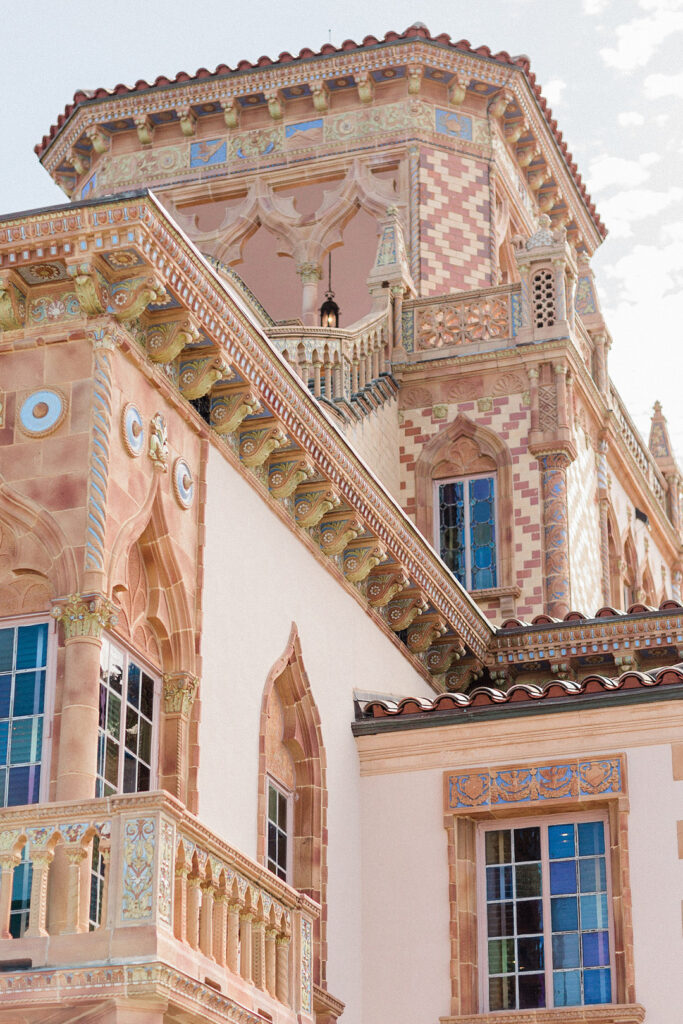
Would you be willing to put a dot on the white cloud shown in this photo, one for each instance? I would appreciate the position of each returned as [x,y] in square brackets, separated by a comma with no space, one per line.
[607,171]
[661,120]
[553,90]
[661,5]
[657,86]
[639,39]
[629,118]
[623,209]
[591,7]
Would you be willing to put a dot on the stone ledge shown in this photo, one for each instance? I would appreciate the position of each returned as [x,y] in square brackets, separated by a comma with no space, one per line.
[611,1013]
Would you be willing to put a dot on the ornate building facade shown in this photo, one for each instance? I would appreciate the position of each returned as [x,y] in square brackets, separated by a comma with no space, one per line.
[339,653]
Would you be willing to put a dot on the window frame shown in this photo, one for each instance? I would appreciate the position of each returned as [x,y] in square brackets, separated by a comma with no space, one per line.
[542,821]
[130,654]
[289,831]
[36,619]
[436,525]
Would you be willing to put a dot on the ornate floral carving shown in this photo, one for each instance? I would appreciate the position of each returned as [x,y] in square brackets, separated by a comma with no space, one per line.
[130,298]
[12,306]
[361,558]
[311,505]
[229,408]
[166,873]
[84,615]
[158,442]
[257,444]
[198,376]
[382,587]
[459,323]
[336,533]
[139,838]
[180,690]
[422,634]
[166,341]
[402,611]
[285,475]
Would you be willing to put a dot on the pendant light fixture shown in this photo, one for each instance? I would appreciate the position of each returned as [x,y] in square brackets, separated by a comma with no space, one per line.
[329,311]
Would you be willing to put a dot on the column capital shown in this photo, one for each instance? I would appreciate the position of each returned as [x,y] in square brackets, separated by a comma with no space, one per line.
[84,615]
[310,273]
[180,690]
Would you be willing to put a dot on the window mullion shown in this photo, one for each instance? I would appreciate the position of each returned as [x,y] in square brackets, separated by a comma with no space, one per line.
[467,540]
[547,919]
[122,722]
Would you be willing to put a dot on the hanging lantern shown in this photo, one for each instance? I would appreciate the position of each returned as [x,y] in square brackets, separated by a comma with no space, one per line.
[329,311]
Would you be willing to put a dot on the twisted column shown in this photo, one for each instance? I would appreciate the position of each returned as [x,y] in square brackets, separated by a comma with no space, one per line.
[414,204]
[555,532]
[603,506]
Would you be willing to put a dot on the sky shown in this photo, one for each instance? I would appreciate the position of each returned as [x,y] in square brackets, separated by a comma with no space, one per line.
[610,69]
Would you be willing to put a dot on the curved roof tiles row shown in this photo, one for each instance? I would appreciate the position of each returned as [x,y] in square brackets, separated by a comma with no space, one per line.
[417,31]
[607,612]
[484,696]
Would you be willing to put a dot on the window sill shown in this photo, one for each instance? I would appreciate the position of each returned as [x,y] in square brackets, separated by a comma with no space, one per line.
[484,595]
[612,1013]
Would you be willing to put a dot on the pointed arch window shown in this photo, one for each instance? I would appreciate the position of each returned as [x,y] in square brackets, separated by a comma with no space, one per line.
[465,509]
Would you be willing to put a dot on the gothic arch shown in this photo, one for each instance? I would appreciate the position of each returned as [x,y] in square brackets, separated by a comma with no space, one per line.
[458,449]
[288,698]
[36,561]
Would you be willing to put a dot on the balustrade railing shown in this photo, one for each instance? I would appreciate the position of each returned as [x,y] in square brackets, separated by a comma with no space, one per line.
[464,318]
[142,860]
[641,454]
[335,362]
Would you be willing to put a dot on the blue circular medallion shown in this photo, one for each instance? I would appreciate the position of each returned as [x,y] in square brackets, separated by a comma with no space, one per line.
[133,430]
[42,412]
[183,484]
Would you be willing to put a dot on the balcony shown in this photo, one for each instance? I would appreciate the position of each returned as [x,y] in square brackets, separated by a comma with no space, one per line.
[131,897]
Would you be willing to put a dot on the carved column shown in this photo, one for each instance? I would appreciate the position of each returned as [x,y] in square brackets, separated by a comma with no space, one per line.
[38,907]
[310,274]
[561,391]
[83,618]
[103,343]
[220,927]
[603,504]
[206,920]
[194,899]
[600,342]
[282,968]
[246,919]
[533,397]
[397,325]
[8,862]
[180,691]
[233,936]
[676,581]
[553,467]
[271,960]
[259,960]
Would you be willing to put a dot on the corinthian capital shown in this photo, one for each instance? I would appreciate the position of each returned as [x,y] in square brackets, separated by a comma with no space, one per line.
[84,615]
[180,690]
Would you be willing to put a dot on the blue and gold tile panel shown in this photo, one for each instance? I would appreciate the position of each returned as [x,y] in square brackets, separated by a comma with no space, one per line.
[516,313]
[208,152]
[449,122]
[305,133]
[534,784]
[89,186]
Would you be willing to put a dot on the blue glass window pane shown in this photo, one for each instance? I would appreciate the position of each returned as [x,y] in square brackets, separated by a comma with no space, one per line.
[32,646]
[452,528]
[6,649]
[25,740]
[482,512]
[565,915]
[23,785]
[21,884]
[567,988]
[4,736]
[560,841]
[29,693]
[592,874]
[595,947]
[562,877]
[133,685]
[531,991]
[597,986]
[591,838]
[483,579]
[498,883]
[147,696]
[594,912]
[5,693]
[482,488]
[482,533]
[566,950]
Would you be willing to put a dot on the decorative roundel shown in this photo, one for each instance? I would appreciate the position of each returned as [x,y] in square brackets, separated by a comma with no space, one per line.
[133,430]
[42,412]
[183,484]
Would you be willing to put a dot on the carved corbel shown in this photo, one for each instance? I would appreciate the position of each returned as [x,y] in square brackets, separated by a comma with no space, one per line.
[66,181]
[166,341]
[457,90]
[231,112]
[130,298]
[460,678]
[337,531]
[79,161]
[361,557]
[229,408]
[500,103]
[382,587]
[441,656]
[415,73]
[12,304]
[258,443]
[402,611]
[547,201]
[514,131]
[180,690]
[274,105]
[90,287]
[312,503]
[144,128]
[285,475]
[84,615]
[422,634]
[538,178]
[188,120]
[197,376]
[320,96]
[526,154]
[99,140]
[366,86]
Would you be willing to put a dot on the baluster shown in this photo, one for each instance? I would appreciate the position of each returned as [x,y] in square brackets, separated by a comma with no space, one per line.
[259,942]
[38,907]
[194,897]
[271,955]
[234,909]
[316,377]
[328,380]
[354,376]
[74,921]
[220,927]
[8,862]
[105,854]
[282,948]
[246,918]
[206,919]
[375,362]
[363,372]
[180,902]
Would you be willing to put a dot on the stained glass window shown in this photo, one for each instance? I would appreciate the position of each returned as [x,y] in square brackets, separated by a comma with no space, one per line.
[127,723]
[467,530]
[547,923]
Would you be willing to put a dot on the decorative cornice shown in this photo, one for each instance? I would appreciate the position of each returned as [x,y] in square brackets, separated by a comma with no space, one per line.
[84,615]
